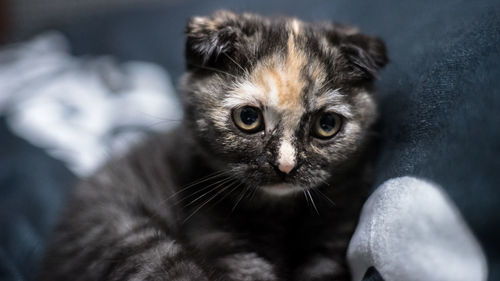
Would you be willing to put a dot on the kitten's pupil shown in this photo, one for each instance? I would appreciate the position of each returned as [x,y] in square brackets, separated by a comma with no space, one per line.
[327,122]
[326,125]
[249,115]
[248,119]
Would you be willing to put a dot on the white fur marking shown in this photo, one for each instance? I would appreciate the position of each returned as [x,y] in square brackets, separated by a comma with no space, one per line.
[286,158]
[243,93]
[281,189]
[295,26]
[271,119]
[273,91]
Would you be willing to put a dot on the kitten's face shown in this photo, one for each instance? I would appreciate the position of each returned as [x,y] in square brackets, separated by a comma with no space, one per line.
[282,103]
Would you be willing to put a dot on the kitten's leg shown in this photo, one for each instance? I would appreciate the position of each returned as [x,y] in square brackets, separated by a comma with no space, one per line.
[322,268]
[235,257]
[111,237]
[248,266]
[100,252]
[325,238]
[325,257]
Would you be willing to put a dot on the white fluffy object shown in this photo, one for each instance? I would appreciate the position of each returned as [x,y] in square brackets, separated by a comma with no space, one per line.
[409,230]
[81,110]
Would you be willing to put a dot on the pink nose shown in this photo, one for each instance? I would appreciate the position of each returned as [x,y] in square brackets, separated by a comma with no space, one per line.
[286,167]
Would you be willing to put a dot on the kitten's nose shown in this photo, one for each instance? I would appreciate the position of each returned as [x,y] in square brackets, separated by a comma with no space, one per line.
[283,170]
[286,167]
[279,172]
[286,157]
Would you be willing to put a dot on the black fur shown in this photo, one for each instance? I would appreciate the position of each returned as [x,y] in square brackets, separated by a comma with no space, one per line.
[189,205]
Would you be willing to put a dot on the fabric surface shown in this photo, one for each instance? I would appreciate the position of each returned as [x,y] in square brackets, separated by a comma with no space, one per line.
[409,230]
[33,188]
[372,275]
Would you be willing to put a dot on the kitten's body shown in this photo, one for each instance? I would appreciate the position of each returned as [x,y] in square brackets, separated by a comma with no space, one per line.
[142,218]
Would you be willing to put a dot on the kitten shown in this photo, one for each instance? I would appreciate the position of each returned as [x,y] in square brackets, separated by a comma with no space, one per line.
[263,180]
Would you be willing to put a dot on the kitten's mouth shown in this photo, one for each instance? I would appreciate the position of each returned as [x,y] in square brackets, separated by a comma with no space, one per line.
[281,189]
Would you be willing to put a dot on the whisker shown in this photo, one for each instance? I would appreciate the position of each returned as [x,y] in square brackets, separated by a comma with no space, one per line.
[206,202]
[312,201]
[199,181]
[148,114]
[247,59]
[243,192]
[307,199]
[161,122]
[324,196]
[215,186]
[227,194]
[230,58]
[247,188]
[214,69]
[208,177]
[254,191]
[328,82]
[195,183]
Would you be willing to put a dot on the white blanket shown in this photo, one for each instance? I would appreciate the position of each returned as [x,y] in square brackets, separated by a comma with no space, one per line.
[81,110]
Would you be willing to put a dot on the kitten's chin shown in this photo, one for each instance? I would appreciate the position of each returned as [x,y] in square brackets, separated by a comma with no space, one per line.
[281,189]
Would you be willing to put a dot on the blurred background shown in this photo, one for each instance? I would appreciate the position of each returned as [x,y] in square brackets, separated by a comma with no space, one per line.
[83,80]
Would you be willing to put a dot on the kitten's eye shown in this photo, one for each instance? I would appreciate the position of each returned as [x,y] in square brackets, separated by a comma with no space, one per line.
[248,119]
[326,125]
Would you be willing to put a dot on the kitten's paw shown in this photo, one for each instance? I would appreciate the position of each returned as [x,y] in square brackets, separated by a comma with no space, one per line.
[321,269]
[186,271]
[247,267]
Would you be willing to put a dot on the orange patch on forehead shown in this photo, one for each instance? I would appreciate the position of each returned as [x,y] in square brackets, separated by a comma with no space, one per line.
[294,82]
[281,75]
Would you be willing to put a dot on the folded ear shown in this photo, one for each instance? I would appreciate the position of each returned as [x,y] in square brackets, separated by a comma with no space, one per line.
[367,53]
[207,38]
